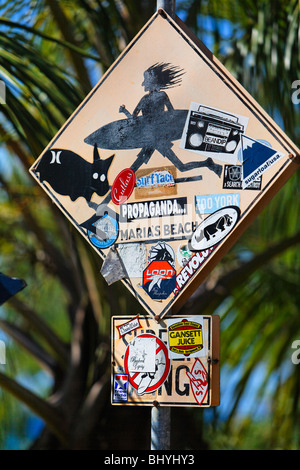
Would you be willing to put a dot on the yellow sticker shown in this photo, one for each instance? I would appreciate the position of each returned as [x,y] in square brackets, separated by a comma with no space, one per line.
[185,337]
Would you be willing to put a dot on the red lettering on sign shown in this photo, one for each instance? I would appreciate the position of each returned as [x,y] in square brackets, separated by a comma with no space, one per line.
[198,381]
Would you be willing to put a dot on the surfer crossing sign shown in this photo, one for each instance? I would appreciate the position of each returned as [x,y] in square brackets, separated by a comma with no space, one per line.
[165,172]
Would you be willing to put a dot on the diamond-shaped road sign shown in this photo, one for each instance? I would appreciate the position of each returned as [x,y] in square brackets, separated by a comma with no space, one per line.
[166,162]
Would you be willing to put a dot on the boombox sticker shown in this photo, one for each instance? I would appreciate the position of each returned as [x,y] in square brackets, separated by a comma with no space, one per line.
[213,132]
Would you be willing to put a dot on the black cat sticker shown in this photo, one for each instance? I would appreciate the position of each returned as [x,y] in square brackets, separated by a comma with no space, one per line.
[70,175]
[214,228]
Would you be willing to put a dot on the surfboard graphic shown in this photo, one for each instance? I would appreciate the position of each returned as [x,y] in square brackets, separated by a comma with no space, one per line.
[139,131]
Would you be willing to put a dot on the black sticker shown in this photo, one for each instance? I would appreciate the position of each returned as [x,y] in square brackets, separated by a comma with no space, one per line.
[233,179]
[71,175]
[212,130]
[150,209]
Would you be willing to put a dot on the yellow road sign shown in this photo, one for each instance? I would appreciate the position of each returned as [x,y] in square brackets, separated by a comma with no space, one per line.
[164,165]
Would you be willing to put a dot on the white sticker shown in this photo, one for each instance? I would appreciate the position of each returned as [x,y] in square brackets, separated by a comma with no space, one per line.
[134,258]
[214,228]
[213,133]
[141,356]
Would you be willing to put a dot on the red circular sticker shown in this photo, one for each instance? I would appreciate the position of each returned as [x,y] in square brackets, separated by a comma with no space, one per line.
[141,377]
[123,186]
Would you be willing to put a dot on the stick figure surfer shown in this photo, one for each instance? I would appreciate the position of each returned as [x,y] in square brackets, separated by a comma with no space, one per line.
[158,125]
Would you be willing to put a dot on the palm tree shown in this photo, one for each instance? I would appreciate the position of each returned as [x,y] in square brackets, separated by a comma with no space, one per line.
[51,54]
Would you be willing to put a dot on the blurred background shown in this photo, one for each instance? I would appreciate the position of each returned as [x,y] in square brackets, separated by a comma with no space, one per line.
[55,373]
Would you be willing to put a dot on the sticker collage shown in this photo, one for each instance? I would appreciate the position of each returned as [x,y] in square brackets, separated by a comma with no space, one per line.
[164,220]
[159,187]
[173,363]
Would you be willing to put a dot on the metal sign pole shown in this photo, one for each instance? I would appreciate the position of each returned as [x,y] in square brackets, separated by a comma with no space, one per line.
[167,5]
[160,427]
[161,416]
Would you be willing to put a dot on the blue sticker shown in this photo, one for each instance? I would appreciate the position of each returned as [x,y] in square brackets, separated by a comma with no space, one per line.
[120,388]
[159,280]
[257,158]
[209,203]
[106,232]
[9,286]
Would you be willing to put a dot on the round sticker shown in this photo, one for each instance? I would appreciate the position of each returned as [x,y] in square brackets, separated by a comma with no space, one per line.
[123,186]
[147,363]
[110,228]
[214,228]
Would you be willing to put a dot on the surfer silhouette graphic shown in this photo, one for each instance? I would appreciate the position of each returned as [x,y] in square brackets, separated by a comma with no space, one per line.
[156,78]
[156,128]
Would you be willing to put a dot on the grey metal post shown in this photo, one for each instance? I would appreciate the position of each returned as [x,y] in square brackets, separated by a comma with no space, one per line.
[167,5]
[160,428]
[161,416]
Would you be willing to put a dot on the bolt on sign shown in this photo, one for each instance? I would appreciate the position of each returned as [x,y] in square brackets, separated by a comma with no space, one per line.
[164,165]
[174,362]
